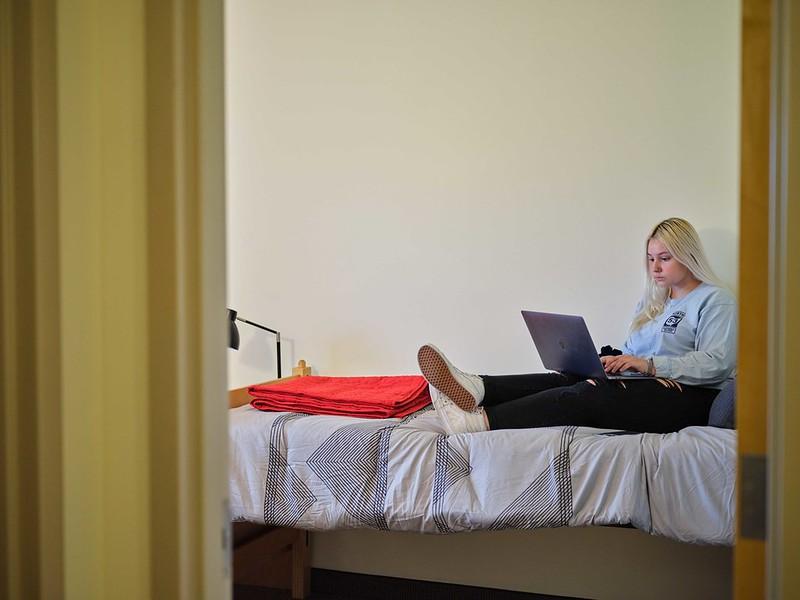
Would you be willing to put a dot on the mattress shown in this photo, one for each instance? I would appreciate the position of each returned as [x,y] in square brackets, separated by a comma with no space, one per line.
[328,472]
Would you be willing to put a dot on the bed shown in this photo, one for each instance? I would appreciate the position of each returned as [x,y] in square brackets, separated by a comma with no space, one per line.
[327,473]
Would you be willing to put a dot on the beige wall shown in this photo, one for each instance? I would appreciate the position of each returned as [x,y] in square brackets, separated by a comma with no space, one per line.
[400,172]
[403,172]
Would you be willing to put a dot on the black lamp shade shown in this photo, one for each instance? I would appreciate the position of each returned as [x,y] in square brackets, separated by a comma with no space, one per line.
[233,331]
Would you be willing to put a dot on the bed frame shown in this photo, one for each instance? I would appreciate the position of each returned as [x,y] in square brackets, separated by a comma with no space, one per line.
[267,556]
[279,557]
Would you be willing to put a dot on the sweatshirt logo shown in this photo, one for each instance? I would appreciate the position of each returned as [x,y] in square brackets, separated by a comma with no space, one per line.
[671,324]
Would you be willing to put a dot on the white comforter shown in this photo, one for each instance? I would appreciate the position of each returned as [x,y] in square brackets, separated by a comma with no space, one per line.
[324,472]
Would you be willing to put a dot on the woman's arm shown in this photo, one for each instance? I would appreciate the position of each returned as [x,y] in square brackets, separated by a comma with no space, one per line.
[714,358]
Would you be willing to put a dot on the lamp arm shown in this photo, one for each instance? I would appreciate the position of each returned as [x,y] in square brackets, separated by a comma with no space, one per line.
[278,346]
[277,333]
[277,337]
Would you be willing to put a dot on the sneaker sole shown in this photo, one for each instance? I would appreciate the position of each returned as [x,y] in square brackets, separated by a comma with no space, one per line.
[435,369]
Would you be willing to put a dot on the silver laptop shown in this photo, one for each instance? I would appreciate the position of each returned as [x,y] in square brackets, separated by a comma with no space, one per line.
[564,345]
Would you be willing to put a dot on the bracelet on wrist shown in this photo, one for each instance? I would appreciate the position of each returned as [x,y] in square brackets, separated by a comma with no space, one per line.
[651,367]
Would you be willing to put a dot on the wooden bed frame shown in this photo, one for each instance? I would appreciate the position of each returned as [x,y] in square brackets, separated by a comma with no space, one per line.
[268,556]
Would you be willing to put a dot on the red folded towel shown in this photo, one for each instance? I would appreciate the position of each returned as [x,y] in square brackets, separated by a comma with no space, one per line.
[366,397]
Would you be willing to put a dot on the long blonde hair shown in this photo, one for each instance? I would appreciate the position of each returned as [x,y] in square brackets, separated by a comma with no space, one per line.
[683,243]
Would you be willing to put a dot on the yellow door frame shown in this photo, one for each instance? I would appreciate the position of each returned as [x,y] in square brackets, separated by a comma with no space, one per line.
[766,561]
[749,552]
[113,451]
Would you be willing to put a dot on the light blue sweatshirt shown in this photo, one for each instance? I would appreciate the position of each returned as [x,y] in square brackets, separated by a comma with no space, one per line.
[694,340]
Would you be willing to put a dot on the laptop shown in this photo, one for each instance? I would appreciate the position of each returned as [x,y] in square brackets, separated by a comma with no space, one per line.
[564,345]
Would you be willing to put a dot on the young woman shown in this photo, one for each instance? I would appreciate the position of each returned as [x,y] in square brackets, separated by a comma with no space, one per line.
[683,334]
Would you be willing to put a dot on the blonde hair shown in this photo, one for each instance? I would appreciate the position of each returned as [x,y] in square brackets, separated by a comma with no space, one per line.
[683,243]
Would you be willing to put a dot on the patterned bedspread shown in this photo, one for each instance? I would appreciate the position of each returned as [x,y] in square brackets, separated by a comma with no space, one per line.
[325,472]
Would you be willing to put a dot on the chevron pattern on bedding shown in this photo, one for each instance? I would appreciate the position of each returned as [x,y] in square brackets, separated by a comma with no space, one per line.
[328,472]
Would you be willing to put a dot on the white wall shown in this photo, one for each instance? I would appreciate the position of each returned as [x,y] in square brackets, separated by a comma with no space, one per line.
[412,171]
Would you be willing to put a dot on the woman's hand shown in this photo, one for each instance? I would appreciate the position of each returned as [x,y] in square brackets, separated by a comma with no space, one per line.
[624,362]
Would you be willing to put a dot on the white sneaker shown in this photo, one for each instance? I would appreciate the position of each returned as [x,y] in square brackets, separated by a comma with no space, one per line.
[464,389]
[454,420]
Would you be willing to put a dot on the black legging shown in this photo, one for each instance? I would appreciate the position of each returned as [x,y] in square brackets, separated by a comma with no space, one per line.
[547,399]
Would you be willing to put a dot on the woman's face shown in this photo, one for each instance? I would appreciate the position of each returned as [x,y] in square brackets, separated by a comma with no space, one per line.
[665,270]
